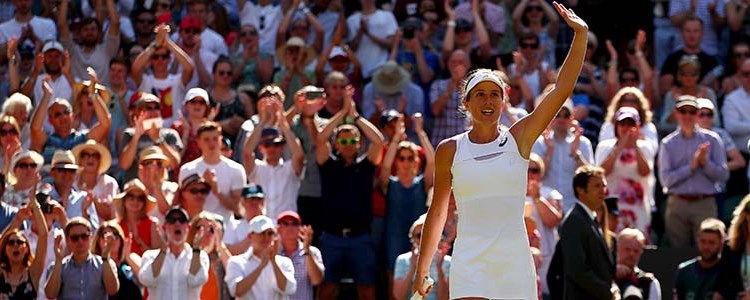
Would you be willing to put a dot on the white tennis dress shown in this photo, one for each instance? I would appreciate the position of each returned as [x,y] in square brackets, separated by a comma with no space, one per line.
[491,258]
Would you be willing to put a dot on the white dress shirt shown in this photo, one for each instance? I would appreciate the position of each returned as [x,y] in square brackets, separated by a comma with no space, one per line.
[265,287]
[174,280]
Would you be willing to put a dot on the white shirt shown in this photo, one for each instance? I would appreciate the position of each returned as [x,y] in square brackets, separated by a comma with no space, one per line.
[61,88]
[170,90]
[265,287]
[381,24]
[236,231]
[266,20]
[43,28]
[280,185]
[230,177]
[175,280]
[213,42]
[736,113]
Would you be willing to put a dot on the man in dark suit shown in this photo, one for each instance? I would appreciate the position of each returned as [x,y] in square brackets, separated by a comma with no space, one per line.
[588,263]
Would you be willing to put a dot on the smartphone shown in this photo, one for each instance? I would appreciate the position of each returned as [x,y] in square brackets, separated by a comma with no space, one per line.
[153,123]
[409,32]
[315,94]
[43,200]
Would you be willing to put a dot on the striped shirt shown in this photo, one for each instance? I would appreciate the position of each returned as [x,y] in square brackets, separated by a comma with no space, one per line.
[450,122]
[304,286]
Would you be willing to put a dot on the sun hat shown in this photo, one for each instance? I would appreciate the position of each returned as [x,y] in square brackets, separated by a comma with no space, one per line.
[105,158]
[36,157]
[133,185]
[390,78]
[295,42]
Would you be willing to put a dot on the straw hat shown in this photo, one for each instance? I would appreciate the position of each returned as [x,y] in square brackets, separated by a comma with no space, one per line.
[63,159]
[295,42]
[79,87]
[105,158]
[152,152]
[390,78]
[133,185]
[36,157]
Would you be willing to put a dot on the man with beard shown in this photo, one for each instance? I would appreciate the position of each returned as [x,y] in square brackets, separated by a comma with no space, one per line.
[695,278]
[56,63]
[90,52]
[175,272]
[143,23]
[630,243]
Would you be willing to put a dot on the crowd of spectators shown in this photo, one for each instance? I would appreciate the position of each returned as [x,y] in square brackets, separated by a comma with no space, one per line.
[274,149]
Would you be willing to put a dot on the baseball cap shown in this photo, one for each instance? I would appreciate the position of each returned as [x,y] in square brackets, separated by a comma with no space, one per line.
[144,98]
[53,45]
[685,100]
[193,178]
[271,136]
[288,214]
[190,22]
[253,191]
[337,51]
[388,115]
[261,223]
[627,112]
[197,92]
[463,24]
[178,212]
[705,103]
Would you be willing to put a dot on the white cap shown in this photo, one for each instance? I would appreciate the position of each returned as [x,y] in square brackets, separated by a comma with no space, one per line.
[52,45]
[337,51]
[261,223]
[196,92]
[705,103]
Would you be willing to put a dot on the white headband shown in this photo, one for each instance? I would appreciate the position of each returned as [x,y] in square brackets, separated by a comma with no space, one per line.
[482,77]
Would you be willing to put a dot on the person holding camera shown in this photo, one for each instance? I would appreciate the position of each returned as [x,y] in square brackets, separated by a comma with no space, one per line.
[418,59]
[280,179]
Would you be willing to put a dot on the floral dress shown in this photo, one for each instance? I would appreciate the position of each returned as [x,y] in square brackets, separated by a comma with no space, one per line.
[24,290]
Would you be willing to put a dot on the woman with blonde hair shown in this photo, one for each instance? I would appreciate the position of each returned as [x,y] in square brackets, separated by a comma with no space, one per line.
[128,263]
[83,105]
[630,97]
[10,140]
[734,271]
[94,160]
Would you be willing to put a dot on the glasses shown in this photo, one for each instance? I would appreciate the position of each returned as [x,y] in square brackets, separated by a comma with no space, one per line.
[196,191]
[707,115]
[224,73]
[83,237]
[534,8]
[15,242]
[688,111]
[535,170]
[347,141]
[529,45]
[58,114]
[245,33]
[689,74]
[6,132]
[562,115]
[174,219]
[409,158]
[87,155]
[61,170]
[160,56]
[152,163]
[26,165]
[152,108]
[289,224]
[141,198]
[146,21]
[741,54]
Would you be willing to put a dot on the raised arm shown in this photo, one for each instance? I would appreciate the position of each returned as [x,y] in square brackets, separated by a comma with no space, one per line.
[429,152]
[40,254]
[322,144]
[38,136]
[529,128]
[612,79]
[390,155]
[140,64]
[319,31]
[298,154]
[54,278]
[185,61]
[374,153]
[481,31]
[99,131]
[736,12]
[62,20]
[114,19]
[554,21]
[284,24]
[518,14]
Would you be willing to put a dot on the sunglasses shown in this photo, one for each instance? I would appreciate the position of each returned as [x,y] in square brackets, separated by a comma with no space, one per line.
[6,132]
[152,108]
[26,165]
[535,170]
[687,111]
[87,155]
[741,54]
[406,158]
[224,73]
[15,242]
[289,224]
[146,21]
[191,31]
[174,219]
[533,8]
[152,163]
[562,115]
[83,237]
[61,113]
[347,141]
[64,170]
[196,191]
[245,33]
[707,115]
[141,198]
[689,74]
[160,56]
[529,45]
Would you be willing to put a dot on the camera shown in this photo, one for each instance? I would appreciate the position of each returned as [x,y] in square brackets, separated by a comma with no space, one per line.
[43,199]
[317,93]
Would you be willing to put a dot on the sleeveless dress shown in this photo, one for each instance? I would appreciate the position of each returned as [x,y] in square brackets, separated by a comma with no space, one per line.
[24,290]
[491,256]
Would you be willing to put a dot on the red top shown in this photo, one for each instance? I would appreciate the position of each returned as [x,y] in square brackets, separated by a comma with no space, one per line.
[144,233]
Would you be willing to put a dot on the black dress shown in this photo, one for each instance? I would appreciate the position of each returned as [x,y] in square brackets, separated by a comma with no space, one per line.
[128,287]
[24,290]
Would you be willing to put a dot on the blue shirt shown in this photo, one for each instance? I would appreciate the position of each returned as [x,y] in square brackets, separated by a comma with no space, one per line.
[74,205]
[563,165]
[56,142]
[7,213]
[82,281]
[675,156]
